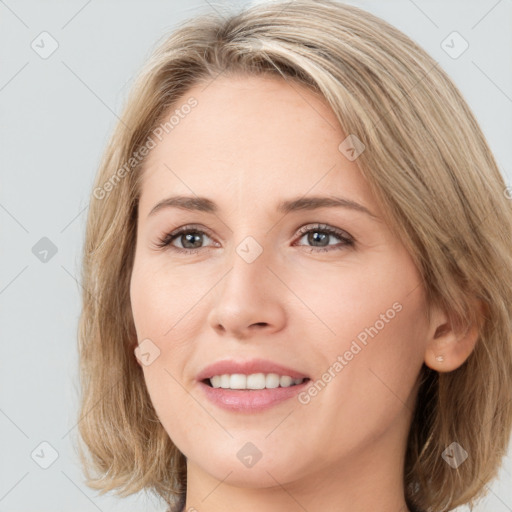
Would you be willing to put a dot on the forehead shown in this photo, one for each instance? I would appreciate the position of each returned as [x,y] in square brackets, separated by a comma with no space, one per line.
[249,140]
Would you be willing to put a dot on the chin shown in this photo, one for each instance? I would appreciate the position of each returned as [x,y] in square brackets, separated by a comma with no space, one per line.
[249,467]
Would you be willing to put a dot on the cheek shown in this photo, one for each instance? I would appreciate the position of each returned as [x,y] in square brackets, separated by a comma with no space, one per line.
[345,300]
[164,327]
[156,300]
[369,356]
[371,367]
[160,316]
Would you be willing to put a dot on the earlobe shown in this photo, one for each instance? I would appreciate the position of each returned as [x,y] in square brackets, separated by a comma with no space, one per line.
[448,348]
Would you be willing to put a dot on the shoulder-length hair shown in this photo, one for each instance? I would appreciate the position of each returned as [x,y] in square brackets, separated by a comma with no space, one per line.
[429,165]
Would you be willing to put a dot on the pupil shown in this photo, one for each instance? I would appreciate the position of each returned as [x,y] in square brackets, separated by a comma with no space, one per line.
[314,238]
[189,237]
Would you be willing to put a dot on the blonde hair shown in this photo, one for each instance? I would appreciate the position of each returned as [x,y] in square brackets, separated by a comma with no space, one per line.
[426,161]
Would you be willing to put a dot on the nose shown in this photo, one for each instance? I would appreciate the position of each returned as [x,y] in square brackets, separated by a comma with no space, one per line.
[249,300]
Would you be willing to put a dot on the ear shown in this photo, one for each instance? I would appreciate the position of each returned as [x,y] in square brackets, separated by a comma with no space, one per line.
[448,346]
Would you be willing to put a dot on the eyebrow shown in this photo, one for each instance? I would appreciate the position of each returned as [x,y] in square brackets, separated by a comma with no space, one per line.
[204,204]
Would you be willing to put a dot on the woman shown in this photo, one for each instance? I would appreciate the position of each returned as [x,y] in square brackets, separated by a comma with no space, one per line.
[298,275]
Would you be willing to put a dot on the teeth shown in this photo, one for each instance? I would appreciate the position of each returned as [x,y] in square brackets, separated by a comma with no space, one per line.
[253,381]
[272,380]
[285,381]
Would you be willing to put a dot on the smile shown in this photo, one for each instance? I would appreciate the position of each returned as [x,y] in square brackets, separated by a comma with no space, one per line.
[251,400]
[253,381]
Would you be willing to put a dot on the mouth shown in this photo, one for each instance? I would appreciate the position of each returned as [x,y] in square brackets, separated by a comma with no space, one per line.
[250,386]
[249,394]
[253,381]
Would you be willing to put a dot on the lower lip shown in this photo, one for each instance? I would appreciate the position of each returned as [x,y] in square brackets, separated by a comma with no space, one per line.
[250,400]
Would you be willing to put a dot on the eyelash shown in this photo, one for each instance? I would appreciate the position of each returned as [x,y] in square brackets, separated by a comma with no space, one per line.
[347,240]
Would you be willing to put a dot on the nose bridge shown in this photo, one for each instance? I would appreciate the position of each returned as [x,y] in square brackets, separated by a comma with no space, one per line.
[247,294]
[251,240]
[249,271]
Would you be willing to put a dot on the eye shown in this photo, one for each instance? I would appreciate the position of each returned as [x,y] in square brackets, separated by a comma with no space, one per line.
[321,233]
[189,237]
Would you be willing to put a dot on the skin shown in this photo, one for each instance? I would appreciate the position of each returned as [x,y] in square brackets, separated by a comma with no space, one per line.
[250,143]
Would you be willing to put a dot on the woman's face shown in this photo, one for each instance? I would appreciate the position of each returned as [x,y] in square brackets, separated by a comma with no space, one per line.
[323,292]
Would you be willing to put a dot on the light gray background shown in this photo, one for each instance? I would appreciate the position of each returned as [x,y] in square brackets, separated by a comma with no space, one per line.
[56,115]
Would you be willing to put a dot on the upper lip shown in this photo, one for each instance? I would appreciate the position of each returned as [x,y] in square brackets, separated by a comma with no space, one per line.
[230,366]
